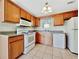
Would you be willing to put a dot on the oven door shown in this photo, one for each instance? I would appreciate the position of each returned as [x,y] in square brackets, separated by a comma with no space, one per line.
[29,39]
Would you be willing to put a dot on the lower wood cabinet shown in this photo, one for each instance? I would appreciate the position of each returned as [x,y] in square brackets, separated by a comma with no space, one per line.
[38,37]
[15,46]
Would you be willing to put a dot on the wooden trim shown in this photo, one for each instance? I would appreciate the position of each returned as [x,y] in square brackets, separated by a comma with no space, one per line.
[76,11]
[15,38]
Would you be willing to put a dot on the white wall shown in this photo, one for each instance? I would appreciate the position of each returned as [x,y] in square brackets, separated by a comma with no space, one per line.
[1,10]
[52,27]
[7,27]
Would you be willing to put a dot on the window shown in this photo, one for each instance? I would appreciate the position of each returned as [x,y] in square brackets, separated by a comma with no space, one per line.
[46,25]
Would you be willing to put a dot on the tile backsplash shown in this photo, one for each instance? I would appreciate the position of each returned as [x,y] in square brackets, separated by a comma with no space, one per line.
[50,20]
[7,27]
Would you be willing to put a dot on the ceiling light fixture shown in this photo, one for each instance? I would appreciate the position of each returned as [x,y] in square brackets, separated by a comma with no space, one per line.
[46,9]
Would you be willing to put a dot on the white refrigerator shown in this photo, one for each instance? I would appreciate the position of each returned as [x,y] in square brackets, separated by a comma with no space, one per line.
[72,33]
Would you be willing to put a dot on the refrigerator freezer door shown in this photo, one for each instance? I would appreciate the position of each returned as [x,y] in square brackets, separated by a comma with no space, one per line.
[72,23]
[72,32]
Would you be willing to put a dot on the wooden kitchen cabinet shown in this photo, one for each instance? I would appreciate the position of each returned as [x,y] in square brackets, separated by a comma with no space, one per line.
[38,37]
[23,14]
[15,46]
[11,12]
[33,20]
[67,15]
[28,16]
[70,14]
[37,22]
[58,20]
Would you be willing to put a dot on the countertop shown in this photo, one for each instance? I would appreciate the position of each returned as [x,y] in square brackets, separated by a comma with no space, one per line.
[15,34]
[52,31]
[9,34]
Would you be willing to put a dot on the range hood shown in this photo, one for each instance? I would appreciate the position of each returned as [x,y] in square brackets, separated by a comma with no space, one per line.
[25,22]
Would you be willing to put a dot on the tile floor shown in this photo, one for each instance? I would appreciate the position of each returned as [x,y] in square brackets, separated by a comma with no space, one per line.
[46,52]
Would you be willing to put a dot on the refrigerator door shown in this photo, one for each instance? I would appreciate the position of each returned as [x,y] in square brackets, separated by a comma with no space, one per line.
[72,23]
[75,22]
[76,41]
[72,32]
[73,41]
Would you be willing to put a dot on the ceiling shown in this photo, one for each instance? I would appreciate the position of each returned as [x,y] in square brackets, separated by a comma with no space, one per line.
[35,6]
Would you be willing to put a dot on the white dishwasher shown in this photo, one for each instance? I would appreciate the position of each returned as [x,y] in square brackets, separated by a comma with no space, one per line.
[59,40]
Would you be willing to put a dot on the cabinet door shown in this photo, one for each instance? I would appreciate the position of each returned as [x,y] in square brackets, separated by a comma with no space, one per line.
[20,47]
[37,22]
[28,16]
[12,12]
[58,20]
[16,48]
[38,37]
[9,49]
[23,14]
[33,20]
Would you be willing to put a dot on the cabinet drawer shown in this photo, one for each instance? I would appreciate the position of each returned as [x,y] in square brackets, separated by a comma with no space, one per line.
[15,38]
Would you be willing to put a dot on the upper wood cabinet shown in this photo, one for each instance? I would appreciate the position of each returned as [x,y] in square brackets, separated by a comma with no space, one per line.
[28,16]
[23,14]
[68,15]
[12,12]
[37,22]
[33,20]
[58,20]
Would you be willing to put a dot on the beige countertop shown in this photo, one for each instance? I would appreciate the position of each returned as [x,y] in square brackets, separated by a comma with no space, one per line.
[9,35]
